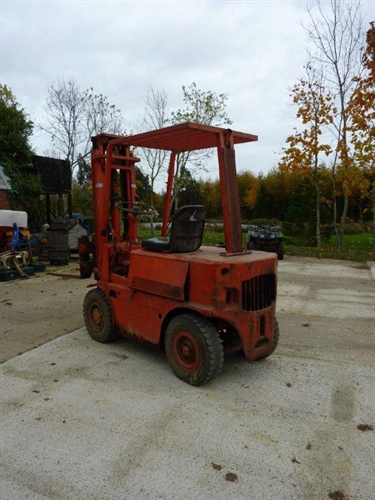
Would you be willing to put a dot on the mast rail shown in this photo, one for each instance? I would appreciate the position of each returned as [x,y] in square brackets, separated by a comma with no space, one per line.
[133,159]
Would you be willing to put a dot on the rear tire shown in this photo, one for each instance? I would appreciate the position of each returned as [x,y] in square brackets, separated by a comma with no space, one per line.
[194,348]
[98,316]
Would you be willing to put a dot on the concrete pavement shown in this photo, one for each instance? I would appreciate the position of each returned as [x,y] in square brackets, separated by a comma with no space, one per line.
[81,420]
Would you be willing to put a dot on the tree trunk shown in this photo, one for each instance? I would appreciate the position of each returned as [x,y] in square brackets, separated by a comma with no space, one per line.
[342,223]
[152,204]
[335,206]
[317,191]
[318,237]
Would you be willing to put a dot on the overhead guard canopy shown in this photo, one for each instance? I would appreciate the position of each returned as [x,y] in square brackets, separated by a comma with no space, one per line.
[183,137]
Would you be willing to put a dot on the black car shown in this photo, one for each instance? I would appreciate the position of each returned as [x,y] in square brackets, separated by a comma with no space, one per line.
[266,238]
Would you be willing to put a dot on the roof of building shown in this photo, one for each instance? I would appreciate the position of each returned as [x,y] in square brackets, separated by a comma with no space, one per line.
[4,180]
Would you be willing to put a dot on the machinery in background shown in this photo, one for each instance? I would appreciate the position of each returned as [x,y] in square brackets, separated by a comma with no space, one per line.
[266,238]
[15,245]
[63,237]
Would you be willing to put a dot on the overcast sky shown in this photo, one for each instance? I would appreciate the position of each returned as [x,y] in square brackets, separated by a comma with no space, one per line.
[253,51]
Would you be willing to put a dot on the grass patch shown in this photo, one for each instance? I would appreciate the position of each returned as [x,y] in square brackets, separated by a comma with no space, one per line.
[211,237]
[358,247]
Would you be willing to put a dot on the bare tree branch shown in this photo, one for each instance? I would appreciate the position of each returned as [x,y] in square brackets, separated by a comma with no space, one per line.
[73,116]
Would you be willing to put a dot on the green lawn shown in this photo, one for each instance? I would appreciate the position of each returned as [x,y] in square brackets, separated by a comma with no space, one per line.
[211,236]
[358,247]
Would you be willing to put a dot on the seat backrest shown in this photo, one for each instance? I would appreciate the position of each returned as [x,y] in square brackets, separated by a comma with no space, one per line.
[187,227]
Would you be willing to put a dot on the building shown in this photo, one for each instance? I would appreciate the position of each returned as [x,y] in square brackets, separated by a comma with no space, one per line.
[4,190]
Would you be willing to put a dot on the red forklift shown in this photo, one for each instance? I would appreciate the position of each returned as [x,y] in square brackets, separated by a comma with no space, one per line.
[196,302]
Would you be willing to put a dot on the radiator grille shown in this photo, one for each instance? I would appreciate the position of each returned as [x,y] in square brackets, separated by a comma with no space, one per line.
[259,292]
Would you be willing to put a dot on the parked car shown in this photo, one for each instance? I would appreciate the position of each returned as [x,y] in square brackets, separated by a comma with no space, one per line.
[266,238]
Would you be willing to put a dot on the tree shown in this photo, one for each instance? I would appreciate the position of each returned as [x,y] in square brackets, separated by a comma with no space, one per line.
[212,197]
[190,190]
[155,116]
[73,116]
[338,39]
[16,156]
[300,215]
[144,190]
[248,186]
[279,184]
[315,110]
[83,171]
[82,198]
[65,118]
[263,207]
[101,116]
[206,108]
[363,113]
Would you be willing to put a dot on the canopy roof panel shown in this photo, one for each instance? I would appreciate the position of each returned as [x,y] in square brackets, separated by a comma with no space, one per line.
[183,137]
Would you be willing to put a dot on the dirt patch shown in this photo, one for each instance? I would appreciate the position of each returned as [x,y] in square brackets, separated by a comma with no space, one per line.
[365,427]
[337,495]
[231,476]
[39,309]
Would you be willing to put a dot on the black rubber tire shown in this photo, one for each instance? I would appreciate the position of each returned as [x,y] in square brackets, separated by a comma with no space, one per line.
[280,250]
[251,246]
[194,348]
[275,342]
[98,316]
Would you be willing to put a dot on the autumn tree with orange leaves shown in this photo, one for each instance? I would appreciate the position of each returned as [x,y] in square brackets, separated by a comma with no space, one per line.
[362,109]
[336,31]
[305,148]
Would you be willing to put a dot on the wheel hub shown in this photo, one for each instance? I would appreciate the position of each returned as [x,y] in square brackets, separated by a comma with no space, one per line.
[186,351]
[96,315]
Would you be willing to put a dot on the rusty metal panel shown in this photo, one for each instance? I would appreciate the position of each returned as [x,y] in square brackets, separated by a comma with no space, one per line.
[158,274]
[157,288]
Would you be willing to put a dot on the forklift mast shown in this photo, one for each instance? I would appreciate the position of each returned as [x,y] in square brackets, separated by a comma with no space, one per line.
[113,181]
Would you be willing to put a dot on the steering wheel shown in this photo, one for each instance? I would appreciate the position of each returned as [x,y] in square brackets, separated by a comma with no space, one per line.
[137,209]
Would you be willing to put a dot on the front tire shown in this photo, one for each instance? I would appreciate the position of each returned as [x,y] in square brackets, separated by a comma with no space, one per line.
[194,348]
[98,316]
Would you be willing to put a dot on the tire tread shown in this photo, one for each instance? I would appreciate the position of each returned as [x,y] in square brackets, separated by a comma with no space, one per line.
[212,340]
[107,334]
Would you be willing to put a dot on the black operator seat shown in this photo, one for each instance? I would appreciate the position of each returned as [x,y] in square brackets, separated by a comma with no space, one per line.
[186,232]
